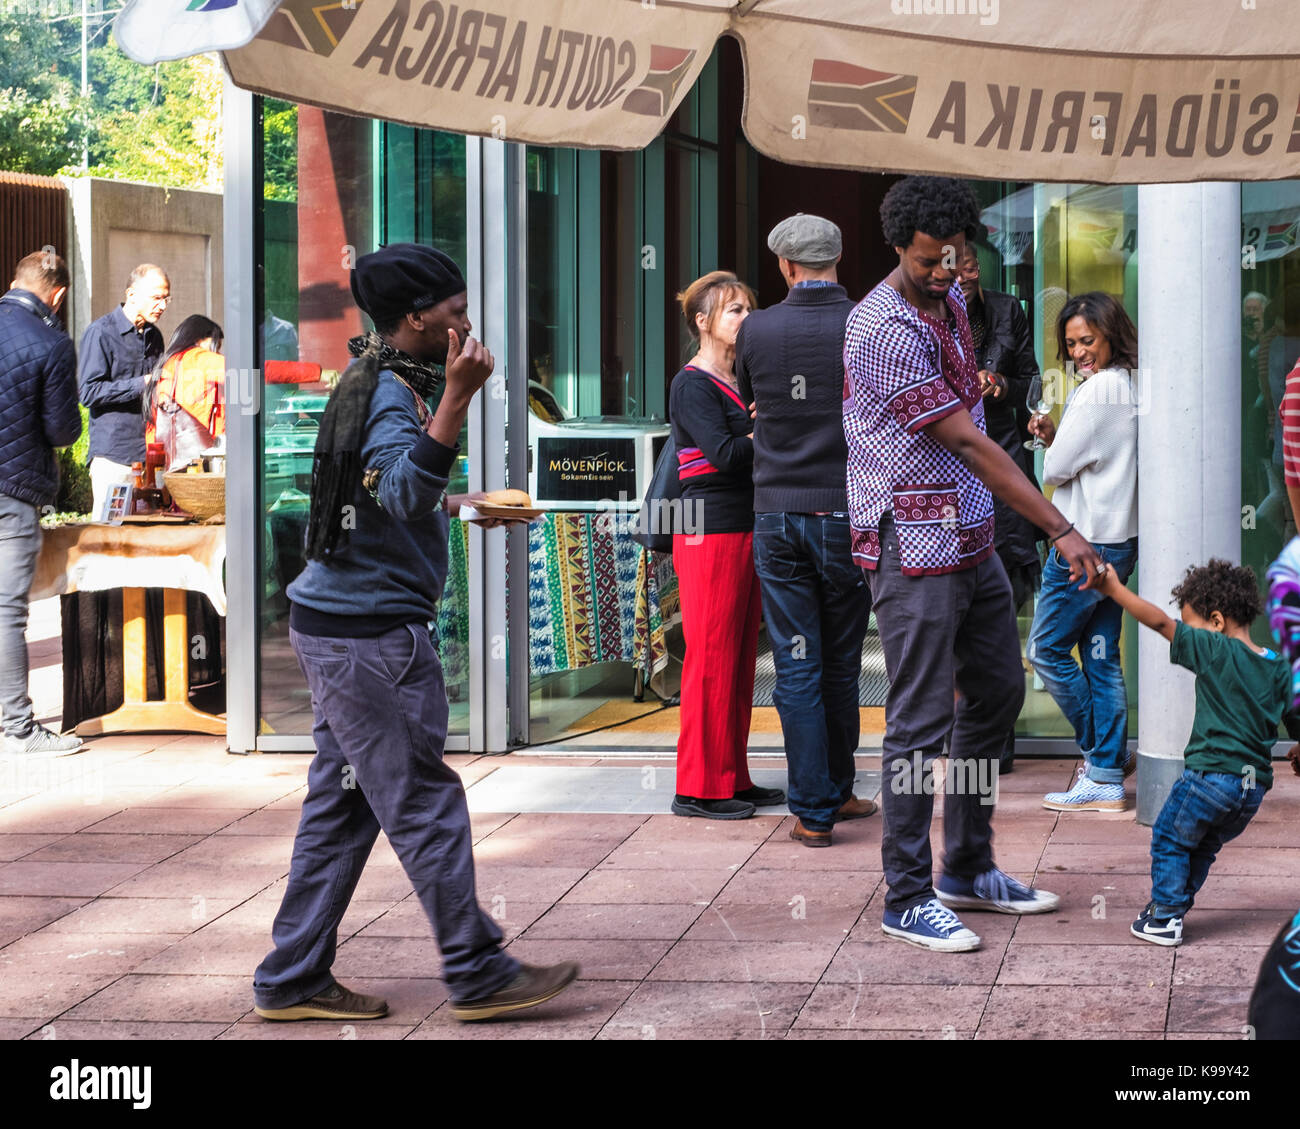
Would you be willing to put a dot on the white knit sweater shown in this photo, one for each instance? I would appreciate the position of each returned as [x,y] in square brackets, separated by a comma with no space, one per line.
[1092,462]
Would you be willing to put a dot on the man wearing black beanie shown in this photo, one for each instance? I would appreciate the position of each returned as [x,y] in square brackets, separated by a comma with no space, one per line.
[377,562]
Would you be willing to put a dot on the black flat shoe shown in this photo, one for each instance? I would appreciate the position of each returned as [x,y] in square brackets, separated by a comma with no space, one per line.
[712,809]
[761,797]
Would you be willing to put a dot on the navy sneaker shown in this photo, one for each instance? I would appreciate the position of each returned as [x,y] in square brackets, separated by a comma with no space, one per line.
[995,892]
[1158,930]
[932,926]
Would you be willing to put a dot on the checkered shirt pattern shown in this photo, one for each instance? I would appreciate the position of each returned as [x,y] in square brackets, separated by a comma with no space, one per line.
[903,372]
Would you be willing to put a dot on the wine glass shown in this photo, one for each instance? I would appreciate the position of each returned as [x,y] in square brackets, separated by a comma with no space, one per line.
[1038,406]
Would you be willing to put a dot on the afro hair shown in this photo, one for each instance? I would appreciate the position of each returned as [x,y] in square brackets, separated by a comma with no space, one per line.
[937,206]
[1223,587]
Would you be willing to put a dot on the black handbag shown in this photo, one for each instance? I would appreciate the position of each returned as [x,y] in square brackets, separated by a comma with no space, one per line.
[662,505]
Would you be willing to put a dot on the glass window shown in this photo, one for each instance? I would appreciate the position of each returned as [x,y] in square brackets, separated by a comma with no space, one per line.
[335,188]
[1270,349]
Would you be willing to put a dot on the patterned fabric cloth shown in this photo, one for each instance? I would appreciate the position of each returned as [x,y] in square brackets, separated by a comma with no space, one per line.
[595,596]
[904,371]
[1284,610]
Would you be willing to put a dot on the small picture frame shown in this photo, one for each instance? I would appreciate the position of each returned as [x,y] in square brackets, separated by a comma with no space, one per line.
[117,504]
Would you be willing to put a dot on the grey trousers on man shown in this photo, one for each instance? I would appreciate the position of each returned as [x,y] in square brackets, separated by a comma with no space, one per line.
[942,633]
[20,545]
[380,725]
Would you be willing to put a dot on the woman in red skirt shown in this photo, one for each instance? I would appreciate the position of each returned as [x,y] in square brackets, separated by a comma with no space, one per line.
[713,556]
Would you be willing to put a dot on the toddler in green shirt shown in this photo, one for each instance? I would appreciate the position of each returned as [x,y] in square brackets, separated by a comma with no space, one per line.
[1242,692]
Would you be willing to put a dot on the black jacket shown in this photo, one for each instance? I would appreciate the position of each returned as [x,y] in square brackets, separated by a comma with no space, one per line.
[38,398]
[790,361]
[1009,345]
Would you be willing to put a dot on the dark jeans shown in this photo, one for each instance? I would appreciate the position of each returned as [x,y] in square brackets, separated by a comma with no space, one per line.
[816,606]
[940,633]
[1204,810]
[380,725]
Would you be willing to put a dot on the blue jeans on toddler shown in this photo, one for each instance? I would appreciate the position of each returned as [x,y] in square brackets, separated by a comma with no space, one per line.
[1204,810]
[1092,697]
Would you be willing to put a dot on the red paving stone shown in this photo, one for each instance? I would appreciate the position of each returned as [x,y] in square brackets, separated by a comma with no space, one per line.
[143,913]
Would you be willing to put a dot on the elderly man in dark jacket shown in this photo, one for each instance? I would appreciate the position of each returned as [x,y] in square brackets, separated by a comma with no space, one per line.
[790,363]
[1005,354]
[38,412]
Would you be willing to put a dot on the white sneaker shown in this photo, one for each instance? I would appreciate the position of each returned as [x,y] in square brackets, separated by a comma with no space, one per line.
[43,742]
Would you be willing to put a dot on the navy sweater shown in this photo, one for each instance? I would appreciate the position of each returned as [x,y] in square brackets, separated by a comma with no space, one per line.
[394,565]
[38,398]
[790,361]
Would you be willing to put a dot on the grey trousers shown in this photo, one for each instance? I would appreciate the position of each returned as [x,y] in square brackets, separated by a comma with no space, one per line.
[942,633]
[380,725]
[20,545]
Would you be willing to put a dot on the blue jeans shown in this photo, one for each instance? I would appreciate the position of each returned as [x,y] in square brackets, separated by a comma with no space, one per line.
[20,545]
[1204,810]
[1091,696]
[380,714]
[816,605]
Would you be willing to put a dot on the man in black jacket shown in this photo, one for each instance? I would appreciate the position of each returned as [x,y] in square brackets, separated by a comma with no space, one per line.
[790,364]
[38,412]
[1005,353]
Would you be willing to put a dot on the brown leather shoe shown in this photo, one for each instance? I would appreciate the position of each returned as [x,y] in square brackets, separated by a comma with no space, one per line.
[534,985]
[335,1002]
[854,808]
[809,838]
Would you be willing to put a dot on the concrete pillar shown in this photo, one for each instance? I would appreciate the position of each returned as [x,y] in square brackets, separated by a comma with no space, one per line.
[1189,437]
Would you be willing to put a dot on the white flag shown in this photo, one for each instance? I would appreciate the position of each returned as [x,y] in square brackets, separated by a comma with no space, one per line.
[155,31]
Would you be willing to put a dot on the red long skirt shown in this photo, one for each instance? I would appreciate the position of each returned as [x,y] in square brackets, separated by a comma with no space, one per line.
[720,617]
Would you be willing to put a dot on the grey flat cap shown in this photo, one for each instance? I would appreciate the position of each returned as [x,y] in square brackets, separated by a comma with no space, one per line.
[808,240]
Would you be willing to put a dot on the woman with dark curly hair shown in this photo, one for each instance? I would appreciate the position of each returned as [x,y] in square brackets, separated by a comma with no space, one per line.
[1091,459]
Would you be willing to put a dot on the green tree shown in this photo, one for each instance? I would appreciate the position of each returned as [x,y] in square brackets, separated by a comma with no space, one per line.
[280,150]
[160,124]
[41,118]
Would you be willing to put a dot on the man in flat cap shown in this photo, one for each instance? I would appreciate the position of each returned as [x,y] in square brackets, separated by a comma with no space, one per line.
[360,610]
[789,362]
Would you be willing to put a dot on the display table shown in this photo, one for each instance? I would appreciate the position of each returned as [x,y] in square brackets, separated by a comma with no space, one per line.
[176,558]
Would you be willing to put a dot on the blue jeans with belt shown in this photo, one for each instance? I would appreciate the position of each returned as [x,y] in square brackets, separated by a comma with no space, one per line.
[816,606]
[380,715]
[1204,810]
[1092,695]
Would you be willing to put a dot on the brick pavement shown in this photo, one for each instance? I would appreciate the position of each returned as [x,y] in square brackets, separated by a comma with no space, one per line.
[138,882]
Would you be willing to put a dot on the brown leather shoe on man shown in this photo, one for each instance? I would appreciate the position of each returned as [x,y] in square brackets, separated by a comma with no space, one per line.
[853,808]
[809,838]
[534,985]
[335,1002]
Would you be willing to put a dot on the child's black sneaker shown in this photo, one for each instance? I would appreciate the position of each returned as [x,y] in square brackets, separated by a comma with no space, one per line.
[1158,930]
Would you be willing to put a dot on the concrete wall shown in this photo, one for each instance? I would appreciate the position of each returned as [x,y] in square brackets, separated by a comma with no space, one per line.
[115,224]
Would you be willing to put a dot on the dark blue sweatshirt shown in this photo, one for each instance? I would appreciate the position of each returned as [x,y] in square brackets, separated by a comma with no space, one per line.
[392,569]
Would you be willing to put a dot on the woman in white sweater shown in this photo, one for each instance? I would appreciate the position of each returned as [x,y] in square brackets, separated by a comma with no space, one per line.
[1092,461]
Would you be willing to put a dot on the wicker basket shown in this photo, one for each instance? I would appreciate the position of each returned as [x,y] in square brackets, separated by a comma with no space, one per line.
[203,495]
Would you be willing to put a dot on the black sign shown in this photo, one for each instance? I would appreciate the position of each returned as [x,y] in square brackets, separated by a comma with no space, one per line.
[585,470]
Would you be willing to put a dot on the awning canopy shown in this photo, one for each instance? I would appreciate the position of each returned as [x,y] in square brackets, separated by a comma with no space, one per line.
[1115,91]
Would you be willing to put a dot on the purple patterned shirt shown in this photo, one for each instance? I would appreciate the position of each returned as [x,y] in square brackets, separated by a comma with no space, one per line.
[903,371]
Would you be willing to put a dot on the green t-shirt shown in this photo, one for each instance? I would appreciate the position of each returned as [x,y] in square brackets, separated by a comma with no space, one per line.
[1240,698]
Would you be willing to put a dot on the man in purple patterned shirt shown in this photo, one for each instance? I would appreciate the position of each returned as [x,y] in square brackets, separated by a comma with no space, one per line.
[920,472]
